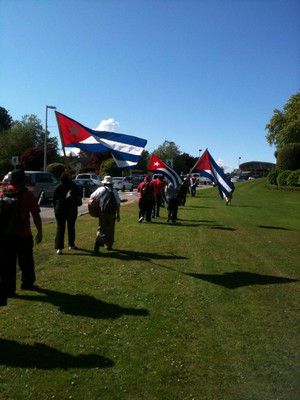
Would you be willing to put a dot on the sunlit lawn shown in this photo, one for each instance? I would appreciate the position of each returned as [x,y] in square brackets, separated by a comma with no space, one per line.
[206,309]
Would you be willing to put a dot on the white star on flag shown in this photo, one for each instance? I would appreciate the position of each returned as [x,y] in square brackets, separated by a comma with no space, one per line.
[156,163]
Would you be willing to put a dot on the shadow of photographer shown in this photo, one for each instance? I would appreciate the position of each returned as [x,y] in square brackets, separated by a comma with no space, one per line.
[41,356]
[83,305]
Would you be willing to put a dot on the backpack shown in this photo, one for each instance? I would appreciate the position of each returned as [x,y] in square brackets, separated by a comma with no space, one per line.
[108,203]
[9,212]
[94,208]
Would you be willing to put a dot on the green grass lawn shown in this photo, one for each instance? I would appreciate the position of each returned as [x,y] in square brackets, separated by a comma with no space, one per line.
[206,309]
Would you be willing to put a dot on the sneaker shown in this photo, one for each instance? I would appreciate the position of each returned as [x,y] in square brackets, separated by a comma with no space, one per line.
[59,252]
[141,219]
[73,248]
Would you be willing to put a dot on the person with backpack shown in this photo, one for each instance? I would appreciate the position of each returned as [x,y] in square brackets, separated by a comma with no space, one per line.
[17,203]
[106,201]
[171,192]
[66,200]
[146,199]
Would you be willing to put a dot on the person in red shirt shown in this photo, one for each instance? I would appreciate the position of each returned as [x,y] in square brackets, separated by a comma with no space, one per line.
[18,245]
[146,199]
[159,190]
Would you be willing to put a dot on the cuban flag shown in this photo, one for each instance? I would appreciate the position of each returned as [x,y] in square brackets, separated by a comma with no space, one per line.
[126,150]
[160,167]
[206,166]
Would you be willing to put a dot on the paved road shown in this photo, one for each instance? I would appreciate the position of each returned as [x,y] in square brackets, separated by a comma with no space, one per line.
[47,212]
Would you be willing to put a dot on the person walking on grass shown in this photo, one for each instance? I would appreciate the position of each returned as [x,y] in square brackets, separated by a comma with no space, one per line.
[159,189]
[66,200]
[17,204]
[108,202]
[172,199]
[146,199]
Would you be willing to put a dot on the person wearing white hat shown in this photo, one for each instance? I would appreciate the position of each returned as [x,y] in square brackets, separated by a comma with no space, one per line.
[109,211]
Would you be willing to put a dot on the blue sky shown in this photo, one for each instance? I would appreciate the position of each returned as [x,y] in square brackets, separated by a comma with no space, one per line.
[199,73]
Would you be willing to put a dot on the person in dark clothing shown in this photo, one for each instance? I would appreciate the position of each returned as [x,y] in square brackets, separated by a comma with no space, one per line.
[172,200]
[183,191]
[146,200]
[17,241]
[66,199]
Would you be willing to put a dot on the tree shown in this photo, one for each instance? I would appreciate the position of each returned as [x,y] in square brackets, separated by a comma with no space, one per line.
[284,126]
[167,151]
[33,158]
[5,120]
[109,167]
[184,163]
[142,165]
[24,134]
[289,157]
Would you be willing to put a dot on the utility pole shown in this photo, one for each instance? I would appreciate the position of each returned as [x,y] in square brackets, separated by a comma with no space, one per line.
[46,136]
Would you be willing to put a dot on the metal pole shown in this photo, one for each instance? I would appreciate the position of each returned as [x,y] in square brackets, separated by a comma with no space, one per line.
[45,140]
[46,136]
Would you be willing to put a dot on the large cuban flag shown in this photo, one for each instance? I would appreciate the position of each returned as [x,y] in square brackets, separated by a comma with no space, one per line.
[206,166]
[126,150]
[160,167]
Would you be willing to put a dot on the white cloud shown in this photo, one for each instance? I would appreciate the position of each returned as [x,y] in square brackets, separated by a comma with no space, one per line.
[109,125]
[221,163]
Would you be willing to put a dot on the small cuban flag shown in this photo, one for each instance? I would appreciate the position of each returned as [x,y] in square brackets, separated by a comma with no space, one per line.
[206,166]
[125,149]
[160,167]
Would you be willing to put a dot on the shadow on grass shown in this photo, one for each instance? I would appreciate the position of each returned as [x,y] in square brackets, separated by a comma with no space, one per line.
[223,228]
[245,205]
[83,305]
[41,356]
[128,255]
[273,227]
[192,207]
[236,279]
[178,224]
[197,220]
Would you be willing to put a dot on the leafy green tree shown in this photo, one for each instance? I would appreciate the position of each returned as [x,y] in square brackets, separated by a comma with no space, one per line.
[284,126]
[167,151]
[144,160]
[109,167]
[288,157]
[5,120]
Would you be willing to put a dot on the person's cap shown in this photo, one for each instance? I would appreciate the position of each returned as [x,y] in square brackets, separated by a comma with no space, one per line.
[17,176]
[107,180]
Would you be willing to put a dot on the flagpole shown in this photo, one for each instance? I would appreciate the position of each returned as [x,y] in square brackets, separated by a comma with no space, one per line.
[197,161]
[61,139]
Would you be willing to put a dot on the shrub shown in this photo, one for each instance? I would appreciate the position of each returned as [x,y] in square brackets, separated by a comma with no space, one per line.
[293,178]
[282,178]
[288,157]
[272,176]
[56,169]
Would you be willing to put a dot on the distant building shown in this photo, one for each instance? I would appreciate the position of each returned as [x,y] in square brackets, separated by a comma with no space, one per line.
[257,169]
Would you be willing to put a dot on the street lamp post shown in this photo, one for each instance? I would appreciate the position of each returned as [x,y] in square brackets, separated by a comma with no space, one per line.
[239,160]
[46,136]
[200,152]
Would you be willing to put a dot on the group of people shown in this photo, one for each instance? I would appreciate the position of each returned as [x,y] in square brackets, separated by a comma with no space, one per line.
[153,194]
[17,204]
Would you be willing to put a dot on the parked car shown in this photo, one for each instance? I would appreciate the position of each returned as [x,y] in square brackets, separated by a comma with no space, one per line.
[90,176]
[121,183]
[87,186]
[136,180]
[38,182]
